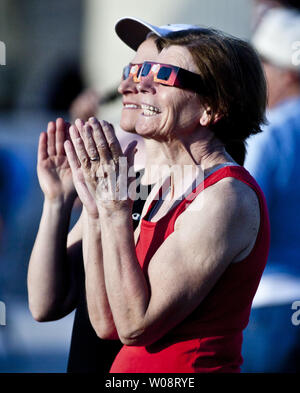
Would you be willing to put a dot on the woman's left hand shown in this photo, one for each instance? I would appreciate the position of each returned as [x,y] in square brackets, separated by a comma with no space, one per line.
[107,171]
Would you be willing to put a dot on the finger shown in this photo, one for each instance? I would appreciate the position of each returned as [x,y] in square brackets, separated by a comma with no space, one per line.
[71,156]
[79,123]
[89,143]
[67,133]
[79,147]
[42,147]
[100,141]
[112,140]
[51,138]
[130,152]
[60,136]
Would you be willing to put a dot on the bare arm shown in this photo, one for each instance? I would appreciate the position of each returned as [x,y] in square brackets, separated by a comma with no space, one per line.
[52,281]
[98,307]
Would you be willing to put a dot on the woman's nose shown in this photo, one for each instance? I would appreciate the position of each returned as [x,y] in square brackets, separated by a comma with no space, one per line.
[147,84]
[128,86]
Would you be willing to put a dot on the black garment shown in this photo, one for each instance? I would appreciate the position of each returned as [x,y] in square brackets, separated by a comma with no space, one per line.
[88,352]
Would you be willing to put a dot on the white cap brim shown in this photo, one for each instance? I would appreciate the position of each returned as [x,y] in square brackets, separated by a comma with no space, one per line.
[134,31]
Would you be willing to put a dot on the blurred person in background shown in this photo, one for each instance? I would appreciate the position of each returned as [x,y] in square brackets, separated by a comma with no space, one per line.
[261,7]
[271,342]
[181,297]
[85,105]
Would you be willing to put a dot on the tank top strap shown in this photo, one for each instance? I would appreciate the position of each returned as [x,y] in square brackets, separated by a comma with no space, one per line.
[236,171]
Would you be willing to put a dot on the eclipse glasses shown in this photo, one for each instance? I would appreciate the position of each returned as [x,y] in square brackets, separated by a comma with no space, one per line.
[165,74]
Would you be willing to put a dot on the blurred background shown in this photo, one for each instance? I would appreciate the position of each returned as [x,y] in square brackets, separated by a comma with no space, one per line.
[55,50]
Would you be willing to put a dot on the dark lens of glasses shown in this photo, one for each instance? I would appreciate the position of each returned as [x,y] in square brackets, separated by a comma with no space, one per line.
[126,71]
[164,73]
[146,69]
[139,71]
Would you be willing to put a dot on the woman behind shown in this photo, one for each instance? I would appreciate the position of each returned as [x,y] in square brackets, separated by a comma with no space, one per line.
[179,293]
[56,259]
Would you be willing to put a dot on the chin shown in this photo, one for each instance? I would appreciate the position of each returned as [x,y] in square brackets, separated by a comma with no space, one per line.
[147,134]
[128,126]
[128,121]
[129,130]
[146,129]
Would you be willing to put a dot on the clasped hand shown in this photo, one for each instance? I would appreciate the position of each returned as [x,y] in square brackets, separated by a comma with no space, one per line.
[100,169]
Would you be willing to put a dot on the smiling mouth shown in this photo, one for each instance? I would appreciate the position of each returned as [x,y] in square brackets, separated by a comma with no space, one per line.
[149,110]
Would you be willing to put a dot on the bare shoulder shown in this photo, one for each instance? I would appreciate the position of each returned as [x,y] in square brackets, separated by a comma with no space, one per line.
[240,199]
[229,211]
[229,195]
[235,195]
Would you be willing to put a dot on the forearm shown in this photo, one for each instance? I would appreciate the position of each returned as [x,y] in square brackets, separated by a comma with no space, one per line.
[97,301]
[126,285]
[49,272]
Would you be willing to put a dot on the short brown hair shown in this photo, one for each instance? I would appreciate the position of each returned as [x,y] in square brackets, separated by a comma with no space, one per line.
[234,83]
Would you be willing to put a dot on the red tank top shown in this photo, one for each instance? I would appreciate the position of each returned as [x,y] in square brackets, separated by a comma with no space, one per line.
[210,338]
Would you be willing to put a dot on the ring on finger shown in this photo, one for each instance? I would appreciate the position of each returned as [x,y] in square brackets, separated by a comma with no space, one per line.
[95,159]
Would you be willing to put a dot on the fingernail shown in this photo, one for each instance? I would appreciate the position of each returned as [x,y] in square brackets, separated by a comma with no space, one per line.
[71,130]
[79,122]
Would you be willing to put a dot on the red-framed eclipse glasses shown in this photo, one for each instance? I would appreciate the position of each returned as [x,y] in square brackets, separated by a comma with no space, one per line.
[170,75]
[132,70]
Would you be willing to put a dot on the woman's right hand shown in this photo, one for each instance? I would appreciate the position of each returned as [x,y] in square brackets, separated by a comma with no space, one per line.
[54,172]
[86,193]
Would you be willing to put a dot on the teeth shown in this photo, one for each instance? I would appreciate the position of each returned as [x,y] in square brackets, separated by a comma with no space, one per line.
[149,113]
[149,110]
[132,106]
[150,107]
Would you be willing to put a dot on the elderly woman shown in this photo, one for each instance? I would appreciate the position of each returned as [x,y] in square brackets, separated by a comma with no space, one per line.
[178,292]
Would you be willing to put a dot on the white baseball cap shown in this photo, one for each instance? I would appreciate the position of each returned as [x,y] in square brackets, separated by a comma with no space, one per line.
[134,31]
[277,38]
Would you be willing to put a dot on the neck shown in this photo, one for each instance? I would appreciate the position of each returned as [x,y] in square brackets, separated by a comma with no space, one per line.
[201,149]
[183,159]
[155,165]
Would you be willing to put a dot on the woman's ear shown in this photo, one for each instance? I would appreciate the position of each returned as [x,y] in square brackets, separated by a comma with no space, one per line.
[206,118]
